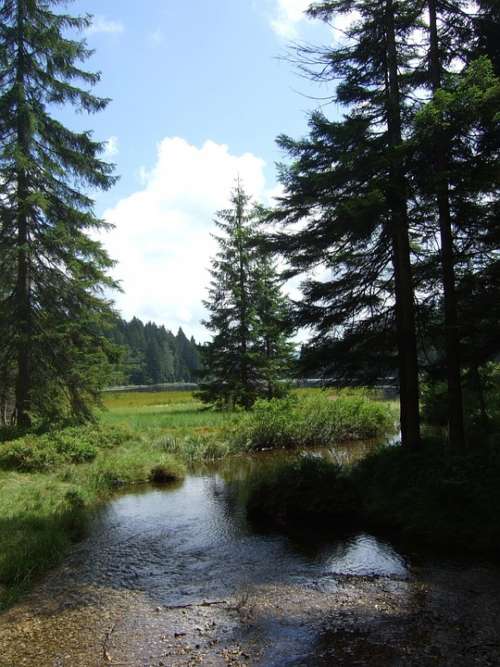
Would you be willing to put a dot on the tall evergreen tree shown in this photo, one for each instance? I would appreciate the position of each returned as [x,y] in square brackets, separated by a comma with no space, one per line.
[52,272]
[248,352]
[348,187]
[441,187]
[460,138]
[229,358]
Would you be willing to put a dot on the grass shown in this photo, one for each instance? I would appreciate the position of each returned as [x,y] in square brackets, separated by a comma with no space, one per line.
[177,414]
[319,419]
[310,417]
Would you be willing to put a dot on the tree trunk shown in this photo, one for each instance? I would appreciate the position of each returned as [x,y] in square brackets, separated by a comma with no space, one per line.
[405,308]
[23,290]
[456,431]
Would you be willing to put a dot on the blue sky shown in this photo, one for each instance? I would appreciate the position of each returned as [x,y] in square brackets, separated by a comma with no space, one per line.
[199,94]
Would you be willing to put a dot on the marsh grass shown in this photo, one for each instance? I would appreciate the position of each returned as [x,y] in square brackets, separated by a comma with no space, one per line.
[321,419]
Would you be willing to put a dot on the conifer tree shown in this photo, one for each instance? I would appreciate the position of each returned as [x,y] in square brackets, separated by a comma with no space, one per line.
[441,187]
[241,361]
[456,130]
[229,358]
[52,272]
[347,186]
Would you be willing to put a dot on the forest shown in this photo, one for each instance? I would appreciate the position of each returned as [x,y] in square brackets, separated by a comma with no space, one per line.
[150,354]
[252,521]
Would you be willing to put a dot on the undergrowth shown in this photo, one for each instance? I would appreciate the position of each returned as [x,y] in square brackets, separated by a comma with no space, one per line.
[317,420]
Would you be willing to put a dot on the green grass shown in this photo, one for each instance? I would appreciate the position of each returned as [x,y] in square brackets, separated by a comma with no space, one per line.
[164,413]
[319,419]
[189,429]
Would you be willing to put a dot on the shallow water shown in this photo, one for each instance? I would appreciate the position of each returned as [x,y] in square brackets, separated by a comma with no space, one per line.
[176,576]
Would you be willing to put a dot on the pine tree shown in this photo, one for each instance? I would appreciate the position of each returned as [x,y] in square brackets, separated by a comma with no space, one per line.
[248,352]
[455,129]
[229,358]
[464,109]
[441,187]
[52,308]
[348,188]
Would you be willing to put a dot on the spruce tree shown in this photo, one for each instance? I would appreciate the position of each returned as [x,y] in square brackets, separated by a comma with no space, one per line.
[441,187]
[248,353]
[230,357]
[456,130]
[348,188]
[53,273]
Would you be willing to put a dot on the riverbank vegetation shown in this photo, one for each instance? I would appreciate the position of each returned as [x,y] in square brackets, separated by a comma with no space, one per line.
[427,498]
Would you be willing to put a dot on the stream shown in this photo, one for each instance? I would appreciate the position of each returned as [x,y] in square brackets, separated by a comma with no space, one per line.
[177,576]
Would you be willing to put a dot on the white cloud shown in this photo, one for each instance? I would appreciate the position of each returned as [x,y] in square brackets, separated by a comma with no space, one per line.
[162,236]
[102,24]
[112,148]
[287,17]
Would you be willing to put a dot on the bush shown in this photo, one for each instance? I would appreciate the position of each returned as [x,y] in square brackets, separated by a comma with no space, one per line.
[55,448]
[481,394]
[318,420]
[434,496]
[307,492]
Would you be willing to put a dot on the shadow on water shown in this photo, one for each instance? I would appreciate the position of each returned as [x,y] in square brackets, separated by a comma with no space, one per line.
[180,562]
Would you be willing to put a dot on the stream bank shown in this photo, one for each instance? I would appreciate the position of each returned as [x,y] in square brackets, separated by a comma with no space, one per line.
[176,576]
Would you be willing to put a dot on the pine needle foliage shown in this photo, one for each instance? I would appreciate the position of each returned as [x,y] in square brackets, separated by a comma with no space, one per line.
[53,273]
[346,199]
[249,353]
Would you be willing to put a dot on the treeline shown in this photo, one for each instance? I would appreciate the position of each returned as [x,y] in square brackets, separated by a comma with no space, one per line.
[151,354]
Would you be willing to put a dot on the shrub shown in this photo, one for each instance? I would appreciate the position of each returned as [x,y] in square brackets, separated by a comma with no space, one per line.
[434,496]
[55,448]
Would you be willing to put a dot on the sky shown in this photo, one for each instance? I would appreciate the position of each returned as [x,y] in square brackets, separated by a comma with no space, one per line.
[200,90]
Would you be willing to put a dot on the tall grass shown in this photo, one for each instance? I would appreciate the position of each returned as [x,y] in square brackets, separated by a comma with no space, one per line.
[317,420]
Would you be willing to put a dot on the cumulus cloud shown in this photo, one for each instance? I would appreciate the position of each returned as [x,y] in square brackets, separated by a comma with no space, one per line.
[102,24]
[287,17]
[162,240]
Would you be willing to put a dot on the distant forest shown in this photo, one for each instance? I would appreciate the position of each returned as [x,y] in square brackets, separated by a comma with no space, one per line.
[152,354]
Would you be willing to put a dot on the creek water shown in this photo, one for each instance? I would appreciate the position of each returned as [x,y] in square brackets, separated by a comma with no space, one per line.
[177,576]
